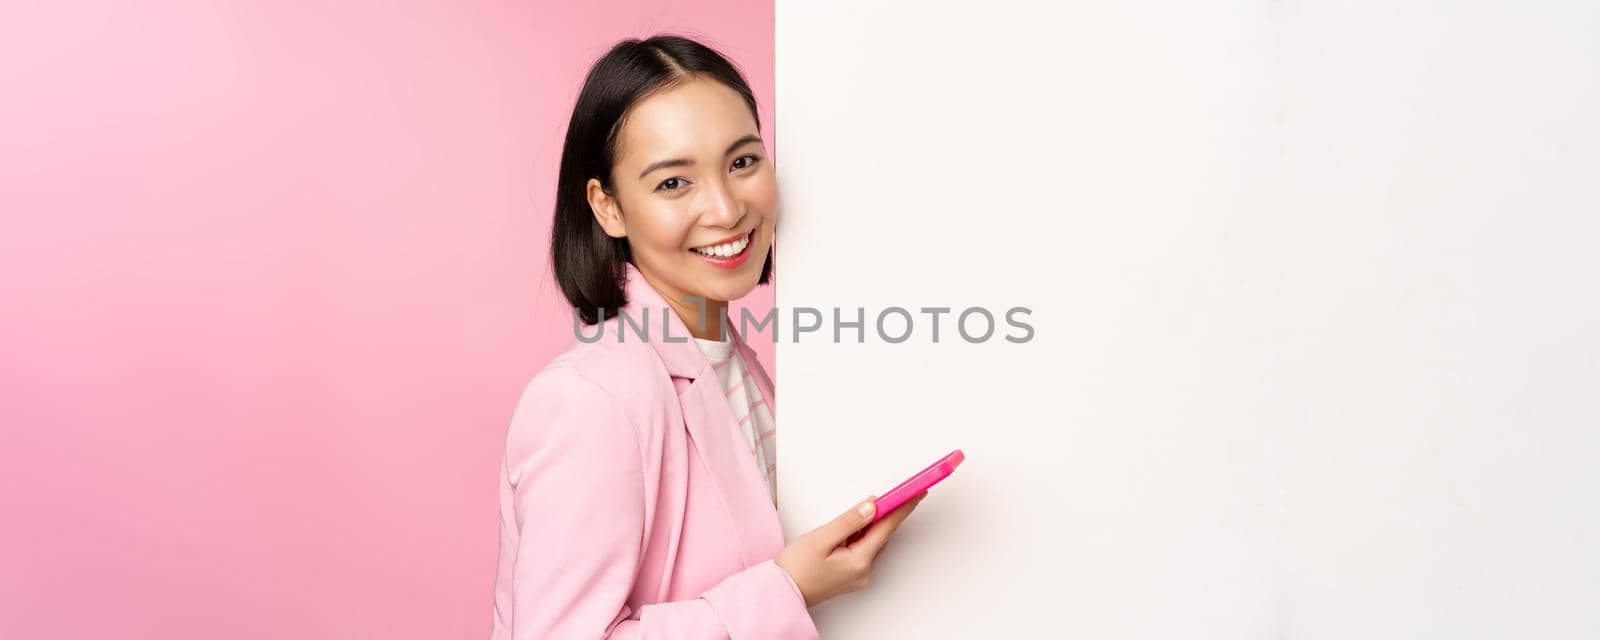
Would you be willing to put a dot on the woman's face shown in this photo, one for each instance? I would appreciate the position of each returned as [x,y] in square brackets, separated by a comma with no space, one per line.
[693,192]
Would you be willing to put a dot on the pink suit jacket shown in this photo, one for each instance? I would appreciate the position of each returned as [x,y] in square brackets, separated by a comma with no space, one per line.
[630,501]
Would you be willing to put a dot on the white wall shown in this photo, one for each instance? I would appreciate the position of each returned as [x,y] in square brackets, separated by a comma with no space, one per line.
[1314,285]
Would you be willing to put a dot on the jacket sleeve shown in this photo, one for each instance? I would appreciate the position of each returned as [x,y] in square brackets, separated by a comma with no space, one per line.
[573,463]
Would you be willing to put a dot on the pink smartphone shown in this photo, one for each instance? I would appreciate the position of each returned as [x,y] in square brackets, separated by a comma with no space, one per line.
[916,484]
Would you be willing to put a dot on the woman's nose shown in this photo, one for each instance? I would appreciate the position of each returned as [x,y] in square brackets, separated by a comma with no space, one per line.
[722,207]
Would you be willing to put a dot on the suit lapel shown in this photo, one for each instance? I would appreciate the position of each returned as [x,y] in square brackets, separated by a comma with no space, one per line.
[711,425]
[732,467]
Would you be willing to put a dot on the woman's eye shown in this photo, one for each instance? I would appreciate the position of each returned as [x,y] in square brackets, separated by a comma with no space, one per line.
[670,184]
[751,158]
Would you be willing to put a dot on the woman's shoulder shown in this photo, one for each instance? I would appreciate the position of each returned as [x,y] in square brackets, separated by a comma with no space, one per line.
[623,368]
[601,376]
[590,396]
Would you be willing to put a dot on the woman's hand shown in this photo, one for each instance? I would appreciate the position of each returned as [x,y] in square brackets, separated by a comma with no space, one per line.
[827,561]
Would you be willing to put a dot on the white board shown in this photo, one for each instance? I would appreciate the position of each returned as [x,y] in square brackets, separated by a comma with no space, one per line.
[1316,297]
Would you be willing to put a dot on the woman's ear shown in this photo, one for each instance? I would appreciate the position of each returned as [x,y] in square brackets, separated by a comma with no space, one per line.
[605,209]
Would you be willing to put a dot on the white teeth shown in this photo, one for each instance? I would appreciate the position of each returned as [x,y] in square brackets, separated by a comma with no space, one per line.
[725,250]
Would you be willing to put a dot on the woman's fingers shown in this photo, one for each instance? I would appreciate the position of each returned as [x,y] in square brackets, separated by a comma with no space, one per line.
[876,536]
[835,532]
[822,567]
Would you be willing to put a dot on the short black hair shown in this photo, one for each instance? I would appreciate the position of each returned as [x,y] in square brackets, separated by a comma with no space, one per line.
[590,266]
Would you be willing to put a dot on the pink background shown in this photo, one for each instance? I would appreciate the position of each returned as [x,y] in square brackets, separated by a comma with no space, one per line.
[273,276]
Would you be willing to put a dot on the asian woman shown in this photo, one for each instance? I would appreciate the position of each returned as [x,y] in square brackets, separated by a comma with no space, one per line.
[637,497]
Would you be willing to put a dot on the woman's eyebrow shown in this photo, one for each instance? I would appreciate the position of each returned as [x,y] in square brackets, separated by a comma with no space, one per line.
[685,162]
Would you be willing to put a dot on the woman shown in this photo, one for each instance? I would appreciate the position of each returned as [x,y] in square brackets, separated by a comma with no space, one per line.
[636,496]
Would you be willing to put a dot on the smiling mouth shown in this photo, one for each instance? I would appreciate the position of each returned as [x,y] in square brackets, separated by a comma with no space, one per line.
[727,250]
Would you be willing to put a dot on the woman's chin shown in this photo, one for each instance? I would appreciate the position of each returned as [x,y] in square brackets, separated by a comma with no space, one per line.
[731,284]
[731,291]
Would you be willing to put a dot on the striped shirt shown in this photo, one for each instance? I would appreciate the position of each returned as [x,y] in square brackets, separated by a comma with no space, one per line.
[749,408]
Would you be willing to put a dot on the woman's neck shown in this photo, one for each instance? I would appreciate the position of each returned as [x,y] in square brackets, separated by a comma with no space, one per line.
[704,320]
[703,317]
